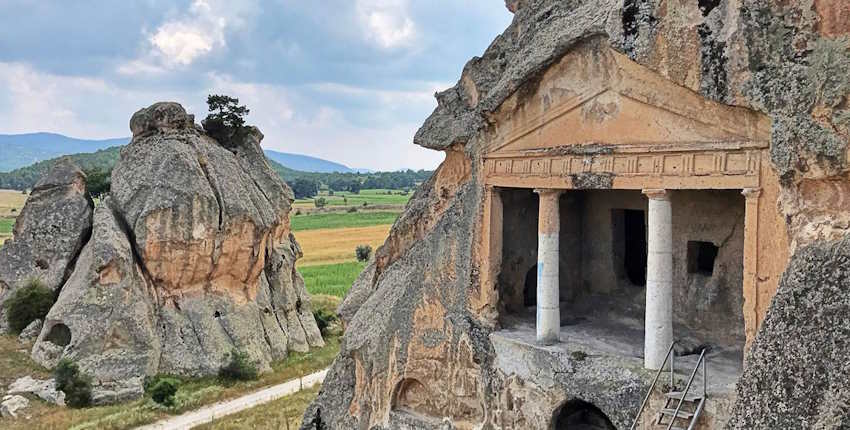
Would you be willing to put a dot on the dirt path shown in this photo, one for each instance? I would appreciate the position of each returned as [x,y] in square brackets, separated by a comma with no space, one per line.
[221,409]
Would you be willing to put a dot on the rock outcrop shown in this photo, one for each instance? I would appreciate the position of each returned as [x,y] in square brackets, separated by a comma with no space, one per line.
[190,258]
[417,313]
[48,234]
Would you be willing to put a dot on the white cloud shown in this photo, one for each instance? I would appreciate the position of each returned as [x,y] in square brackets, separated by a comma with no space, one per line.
[386,22]
[423,96]
[31,100]
[198,32]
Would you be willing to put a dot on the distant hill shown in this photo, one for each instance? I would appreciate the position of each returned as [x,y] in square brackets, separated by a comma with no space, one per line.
[305,163]
[26,177]
[21,150]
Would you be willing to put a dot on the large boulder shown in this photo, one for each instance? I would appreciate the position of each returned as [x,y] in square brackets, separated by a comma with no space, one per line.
[797,375]
[48,234]
[190,258]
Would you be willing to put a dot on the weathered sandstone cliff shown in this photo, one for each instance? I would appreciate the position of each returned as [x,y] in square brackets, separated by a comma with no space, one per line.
[420,312]
[189,258]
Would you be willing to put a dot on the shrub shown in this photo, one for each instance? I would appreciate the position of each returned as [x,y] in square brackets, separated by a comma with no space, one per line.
[163,389]
[579,355]
[363,252]
[352,210]
[324,319]
[320,202]
[72,382]
[239,368]
[27,304]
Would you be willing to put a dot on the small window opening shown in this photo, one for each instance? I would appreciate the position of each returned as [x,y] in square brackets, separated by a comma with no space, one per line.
[529,292]
[701,256]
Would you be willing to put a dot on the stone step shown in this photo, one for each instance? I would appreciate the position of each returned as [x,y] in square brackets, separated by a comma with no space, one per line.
[682,414]
[691,397]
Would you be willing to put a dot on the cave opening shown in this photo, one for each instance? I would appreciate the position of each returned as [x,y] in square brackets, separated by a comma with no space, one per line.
[581,415]
[59,334]
[706,6]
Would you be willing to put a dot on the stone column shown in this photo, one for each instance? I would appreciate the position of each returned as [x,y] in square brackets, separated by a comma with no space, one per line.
[751,250]
[548,257]
[659,279]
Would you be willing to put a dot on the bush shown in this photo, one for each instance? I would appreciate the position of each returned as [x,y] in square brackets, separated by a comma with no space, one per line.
[239,368]
[352,210]
[163,389]
[363,252]
[324,319]
[304,188]
[27,304]
[320,202]
[75,385]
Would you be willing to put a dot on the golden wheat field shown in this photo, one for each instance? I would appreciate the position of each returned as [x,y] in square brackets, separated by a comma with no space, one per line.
[11,202]
[330,246]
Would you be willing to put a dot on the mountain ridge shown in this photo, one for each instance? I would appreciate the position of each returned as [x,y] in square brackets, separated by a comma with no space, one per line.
[23,150]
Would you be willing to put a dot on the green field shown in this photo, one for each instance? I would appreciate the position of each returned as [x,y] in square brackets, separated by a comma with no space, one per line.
[339,220]
[331,279]
[6,225]
[370,197]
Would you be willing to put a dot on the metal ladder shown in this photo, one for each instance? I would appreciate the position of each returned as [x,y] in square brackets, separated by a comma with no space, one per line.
[694,401]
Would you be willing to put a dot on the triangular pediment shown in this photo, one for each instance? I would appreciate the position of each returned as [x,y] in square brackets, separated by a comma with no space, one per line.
[596,96]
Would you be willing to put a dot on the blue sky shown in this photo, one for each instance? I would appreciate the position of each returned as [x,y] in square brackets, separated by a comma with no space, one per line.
[347,80]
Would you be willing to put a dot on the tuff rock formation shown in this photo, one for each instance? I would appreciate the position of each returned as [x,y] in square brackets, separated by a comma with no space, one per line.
[48,234]
[190,258]
[416,313]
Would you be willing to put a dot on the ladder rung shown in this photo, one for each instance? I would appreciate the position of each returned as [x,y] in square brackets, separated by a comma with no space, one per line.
[681,414]
[691,397]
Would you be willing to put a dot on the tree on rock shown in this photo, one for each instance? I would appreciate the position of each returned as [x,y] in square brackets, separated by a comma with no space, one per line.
[226,121]
[98,181]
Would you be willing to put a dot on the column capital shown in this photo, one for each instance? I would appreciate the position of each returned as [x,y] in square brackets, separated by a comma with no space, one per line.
[548,191]
[751,193]
[656,193]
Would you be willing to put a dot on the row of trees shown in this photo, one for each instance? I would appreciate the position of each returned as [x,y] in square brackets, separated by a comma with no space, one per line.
[307,185]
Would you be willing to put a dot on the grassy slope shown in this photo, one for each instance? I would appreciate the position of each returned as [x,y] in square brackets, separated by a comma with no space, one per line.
[340,220]
[190,396]
[331,279]
[282,414]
